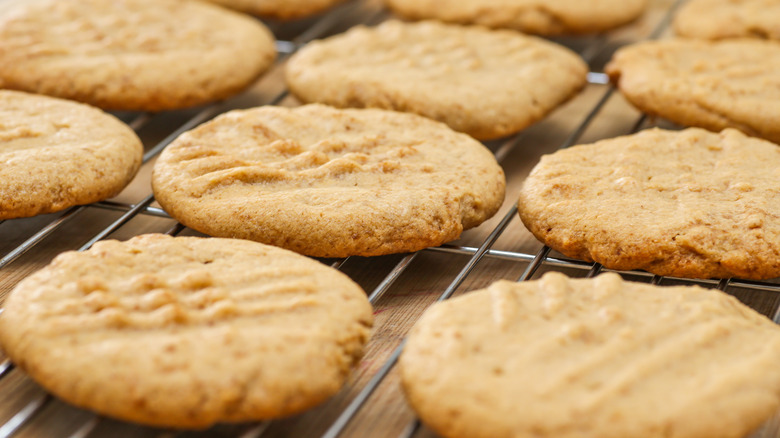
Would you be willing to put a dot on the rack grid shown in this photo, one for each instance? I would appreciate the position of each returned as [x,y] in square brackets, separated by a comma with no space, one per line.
[399,286]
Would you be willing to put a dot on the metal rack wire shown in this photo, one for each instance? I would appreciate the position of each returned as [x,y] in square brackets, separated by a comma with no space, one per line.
[336,419]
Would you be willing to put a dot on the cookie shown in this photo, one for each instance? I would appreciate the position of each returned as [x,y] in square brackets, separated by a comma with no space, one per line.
[719,19]
[185,332]
[543,17]
[485,83]
[55,154]
[279,9]
[584,358]
[327,182]
[147,55]
[686,204]
[712,85]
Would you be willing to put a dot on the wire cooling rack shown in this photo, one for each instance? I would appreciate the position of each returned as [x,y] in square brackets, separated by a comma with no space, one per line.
[400,287]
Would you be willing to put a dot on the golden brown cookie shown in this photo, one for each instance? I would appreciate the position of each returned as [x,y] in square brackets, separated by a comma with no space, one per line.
[186,332]
[686,204]
[327,182]
[55,154]
[146,55]
[592,358]
[712,85]
[485,83]
[279,9]
[719,19]
[544,17]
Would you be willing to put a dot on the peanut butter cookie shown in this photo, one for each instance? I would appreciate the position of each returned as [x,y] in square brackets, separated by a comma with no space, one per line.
[148,55]
[720,19]
[279,9]
[712,85]
[592,358]
[486,83]
[185,332]
[686,204]
[544,17]
[55,154]
[327,182]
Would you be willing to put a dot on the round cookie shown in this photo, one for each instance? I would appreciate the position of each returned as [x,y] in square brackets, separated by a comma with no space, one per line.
[686,204]
[719,19]
[279,9]
[55,154]
[147,55]
[543,17]
[592,358]
[712,85]
[185,332]
[327,182]
[482,82]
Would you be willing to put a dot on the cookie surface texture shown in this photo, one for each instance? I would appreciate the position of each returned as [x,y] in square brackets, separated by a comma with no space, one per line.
[327,182]
[55,154]
[185,332]
[544,17]
[599,358]
[687,204]
[719,19]
[146,55]
[485,83]
[280,9]
[712,85]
